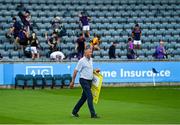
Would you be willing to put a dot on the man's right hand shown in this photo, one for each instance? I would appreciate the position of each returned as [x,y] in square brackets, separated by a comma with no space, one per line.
[71,85]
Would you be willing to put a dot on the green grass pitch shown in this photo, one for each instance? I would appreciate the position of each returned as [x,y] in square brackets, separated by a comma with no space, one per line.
[140,105]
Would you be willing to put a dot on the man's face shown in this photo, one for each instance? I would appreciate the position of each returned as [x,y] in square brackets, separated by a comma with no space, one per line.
[88,53]
[54,35]
[27,14]
[161,43]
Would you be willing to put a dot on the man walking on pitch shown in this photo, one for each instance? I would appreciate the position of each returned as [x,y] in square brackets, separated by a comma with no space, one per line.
[85,69]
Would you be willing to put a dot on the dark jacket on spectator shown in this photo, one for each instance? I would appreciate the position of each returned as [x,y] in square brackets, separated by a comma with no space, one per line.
[112,51]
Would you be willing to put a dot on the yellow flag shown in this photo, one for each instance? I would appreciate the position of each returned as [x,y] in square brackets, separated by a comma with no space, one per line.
[96,86]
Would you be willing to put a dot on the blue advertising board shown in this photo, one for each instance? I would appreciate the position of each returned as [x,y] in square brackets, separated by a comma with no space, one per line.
[1,75]
[113,72]
[41,69]
[139,71]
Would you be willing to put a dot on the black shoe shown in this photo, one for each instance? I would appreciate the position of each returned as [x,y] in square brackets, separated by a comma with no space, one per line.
[95,116]
[75,115]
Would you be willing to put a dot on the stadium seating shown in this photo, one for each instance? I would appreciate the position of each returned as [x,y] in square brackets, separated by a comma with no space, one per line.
[58,80]
[66,79]
[19,81]
[48,80]
[112,19]
[29,81]
[39,81]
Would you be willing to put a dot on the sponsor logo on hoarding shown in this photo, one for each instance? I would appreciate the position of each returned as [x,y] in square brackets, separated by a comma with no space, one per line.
[39,70]
[135,73]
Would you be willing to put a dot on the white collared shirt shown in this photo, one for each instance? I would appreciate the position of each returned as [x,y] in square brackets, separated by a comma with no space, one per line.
[85,68]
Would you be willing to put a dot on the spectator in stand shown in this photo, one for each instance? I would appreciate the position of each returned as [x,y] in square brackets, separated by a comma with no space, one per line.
[136,35]
[22,38]
[112,51]
[56,23]
[57,56]
[15,29]
[25,17]
[53,41]
[84,21]
[160,52]
[58,26]
[130,49]
[34,45]
[26,20]
[95,42]
[80,46]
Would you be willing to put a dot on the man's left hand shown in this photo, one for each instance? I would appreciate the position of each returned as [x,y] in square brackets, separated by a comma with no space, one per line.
[97,70]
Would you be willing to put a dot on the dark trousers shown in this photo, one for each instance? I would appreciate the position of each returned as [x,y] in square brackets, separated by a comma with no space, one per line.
[80,54]
[86,95]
